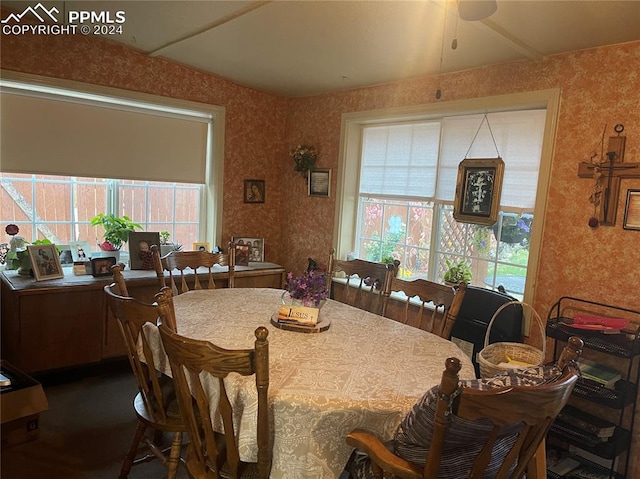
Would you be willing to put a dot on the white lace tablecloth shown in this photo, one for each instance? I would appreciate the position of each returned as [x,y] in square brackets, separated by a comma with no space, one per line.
[364,371]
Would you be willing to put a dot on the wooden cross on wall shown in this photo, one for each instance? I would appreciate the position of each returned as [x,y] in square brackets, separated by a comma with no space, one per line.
[612,171]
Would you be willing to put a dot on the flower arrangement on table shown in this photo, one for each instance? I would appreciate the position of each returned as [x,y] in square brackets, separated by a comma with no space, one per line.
[310,288]
[304,157]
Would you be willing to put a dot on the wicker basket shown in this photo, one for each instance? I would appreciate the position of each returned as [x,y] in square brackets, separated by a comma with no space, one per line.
[493,354]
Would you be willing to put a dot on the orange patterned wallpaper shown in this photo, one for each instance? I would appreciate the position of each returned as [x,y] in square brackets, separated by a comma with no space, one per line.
[576,260]
[599,87]
[261,128]
[255,122]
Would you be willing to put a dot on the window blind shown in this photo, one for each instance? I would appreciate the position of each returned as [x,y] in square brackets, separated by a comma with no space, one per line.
[58,135]
[400,160]
[391,166]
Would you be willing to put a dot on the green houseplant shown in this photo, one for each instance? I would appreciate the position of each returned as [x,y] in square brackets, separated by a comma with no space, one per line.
[167,246]
[116,230]
[457,272]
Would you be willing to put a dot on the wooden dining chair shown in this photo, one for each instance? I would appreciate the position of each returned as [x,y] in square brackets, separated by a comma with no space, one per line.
[155,405]
[525,411]
[177,263]
[157,265]
[425,305]
[210,454]
[118,279]
[362,283]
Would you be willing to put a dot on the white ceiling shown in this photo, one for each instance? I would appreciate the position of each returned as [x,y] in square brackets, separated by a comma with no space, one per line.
[298,48]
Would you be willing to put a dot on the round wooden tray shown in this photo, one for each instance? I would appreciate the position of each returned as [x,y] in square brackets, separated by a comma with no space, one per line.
[320,326]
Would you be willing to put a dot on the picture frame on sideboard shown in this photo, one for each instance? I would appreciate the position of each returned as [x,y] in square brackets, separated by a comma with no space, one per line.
[201,246]
[45,261]
[256,247]
[140,255]
[101,266]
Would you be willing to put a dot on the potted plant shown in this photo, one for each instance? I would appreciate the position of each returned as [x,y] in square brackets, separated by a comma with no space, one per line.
[515,229]
[458,272]
[305,157]
[167,246]
[116,230]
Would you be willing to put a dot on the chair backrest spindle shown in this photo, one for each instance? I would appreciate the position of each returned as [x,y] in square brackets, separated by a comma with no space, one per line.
[177,263]
[365,283]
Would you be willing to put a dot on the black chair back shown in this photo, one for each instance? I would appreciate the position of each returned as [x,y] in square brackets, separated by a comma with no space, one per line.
[478,307]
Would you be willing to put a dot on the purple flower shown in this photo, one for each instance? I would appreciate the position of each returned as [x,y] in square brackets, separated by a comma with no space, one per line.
[310,287]
[523,226]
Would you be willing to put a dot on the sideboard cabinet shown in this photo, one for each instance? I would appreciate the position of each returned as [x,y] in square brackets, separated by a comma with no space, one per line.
[65,322]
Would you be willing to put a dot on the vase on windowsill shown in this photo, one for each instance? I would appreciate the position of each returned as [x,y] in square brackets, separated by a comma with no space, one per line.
[24,267]
[107,249]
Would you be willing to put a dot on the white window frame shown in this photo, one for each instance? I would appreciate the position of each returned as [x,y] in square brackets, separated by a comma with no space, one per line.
[113,188]
[348,174]
[211,200]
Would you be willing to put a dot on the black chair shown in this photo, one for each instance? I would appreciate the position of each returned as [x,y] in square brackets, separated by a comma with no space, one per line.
[478,307]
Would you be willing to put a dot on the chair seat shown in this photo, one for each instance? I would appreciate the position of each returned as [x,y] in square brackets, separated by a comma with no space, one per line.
[173,421]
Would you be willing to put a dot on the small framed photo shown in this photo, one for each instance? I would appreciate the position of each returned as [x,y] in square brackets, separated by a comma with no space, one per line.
[243,251]
[256,247]
[140,255]
[66,258]
[254,191]
[632,211]
[102,266]
[320,183]
[45,261]
[478,190]
[201,247]
[80,250]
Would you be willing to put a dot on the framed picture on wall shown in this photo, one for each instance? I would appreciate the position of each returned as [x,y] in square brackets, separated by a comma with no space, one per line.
[632,211]
[256,247]
[254,191]
[45,261]
[478,190]
[320,183]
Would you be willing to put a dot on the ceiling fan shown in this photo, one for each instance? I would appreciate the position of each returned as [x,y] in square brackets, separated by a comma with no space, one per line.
[472,10]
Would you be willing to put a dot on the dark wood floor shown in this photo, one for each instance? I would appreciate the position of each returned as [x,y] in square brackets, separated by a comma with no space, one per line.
[86,431]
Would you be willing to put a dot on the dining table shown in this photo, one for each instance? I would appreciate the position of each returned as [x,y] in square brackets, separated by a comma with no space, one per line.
[362,371]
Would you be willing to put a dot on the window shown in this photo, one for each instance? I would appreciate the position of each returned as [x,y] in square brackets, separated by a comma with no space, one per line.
[399,176]
[60,208]
[63,142]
